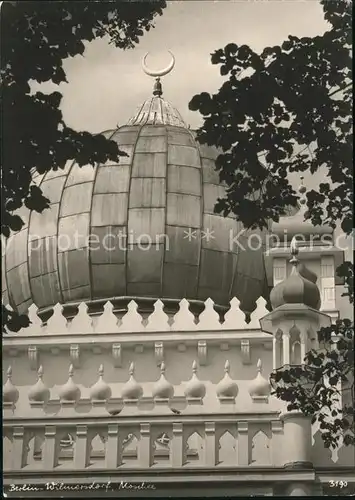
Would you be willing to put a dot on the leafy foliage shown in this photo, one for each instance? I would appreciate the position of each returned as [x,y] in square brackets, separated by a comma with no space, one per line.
[318,386]
[36,38]
[285,110]
[289,109]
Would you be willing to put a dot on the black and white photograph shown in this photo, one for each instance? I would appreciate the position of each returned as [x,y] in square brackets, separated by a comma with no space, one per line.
[177,248]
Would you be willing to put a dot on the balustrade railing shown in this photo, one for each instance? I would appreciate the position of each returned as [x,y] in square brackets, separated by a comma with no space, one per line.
[142,442]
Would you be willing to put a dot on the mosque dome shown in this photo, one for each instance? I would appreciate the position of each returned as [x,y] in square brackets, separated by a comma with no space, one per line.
[144,228]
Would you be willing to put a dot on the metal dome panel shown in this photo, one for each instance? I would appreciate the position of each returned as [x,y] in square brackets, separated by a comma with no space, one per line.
[90,244]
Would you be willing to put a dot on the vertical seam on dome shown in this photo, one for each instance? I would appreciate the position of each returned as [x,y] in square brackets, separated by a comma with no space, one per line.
[57,232]
[9,294]
[166,212]
[97,166]
[202,205]
[135,118]
[28,242]
[128,200]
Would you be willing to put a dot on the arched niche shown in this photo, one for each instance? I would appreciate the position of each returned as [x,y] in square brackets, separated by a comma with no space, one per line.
[195,448]
[260,449]
[227,449]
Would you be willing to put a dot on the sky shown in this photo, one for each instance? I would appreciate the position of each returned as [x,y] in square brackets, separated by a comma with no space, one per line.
[107,84]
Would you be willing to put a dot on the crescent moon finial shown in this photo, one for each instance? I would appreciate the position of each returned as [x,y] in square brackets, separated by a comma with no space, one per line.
[158,91]
[161,72]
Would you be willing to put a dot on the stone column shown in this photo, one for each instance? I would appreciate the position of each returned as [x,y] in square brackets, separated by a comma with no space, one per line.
[210,444]
[286,347]
[177,446]
[297,440]
[114,447]
[145,449]
[81,449]
[50,448]
[276,351]
[18,449]
[243,444]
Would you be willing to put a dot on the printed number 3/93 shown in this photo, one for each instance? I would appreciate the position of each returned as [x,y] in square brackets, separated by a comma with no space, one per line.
[338,484]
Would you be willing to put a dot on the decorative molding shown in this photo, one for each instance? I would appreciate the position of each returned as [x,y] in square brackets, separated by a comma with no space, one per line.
[33,357]
[276,426]
[245,352]
[210,427]
[159,352]
[117,355]
[202,352]
[75,355]
[243,427]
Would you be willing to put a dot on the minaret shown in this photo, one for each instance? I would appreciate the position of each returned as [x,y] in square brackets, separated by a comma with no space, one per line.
[294,321]
[317,249]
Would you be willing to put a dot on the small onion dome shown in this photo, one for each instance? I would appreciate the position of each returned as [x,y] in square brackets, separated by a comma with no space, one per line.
[227,388]
[69,391]
[259,386]
[131,389]
[100,391]
[195,388]
[295,224]
[162,388]
[9,393]
[298,288]
[39,392]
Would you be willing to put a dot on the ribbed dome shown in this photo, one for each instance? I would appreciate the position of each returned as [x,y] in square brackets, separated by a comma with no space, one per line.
[92,242]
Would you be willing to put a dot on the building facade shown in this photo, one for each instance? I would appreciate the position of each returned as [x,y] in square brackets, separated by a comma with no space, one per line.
[153,333]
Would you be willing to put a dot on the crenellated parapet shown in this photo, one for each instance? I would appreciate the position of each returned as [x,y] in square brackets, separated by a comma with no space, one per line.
[118,334]
[130,321]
